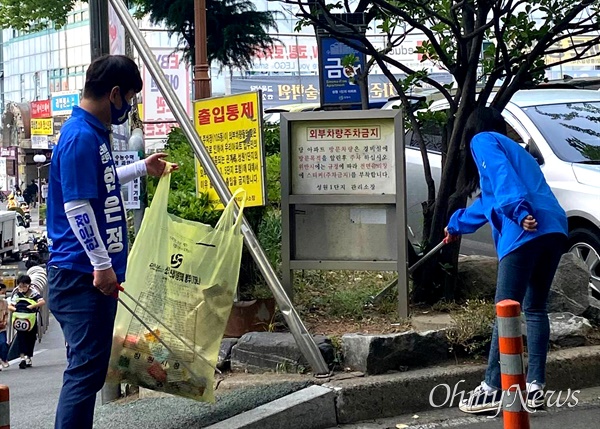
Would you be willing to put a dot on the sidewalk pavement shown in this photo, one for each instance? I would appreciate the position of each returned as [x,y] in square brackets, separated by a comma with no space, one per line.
[336,401]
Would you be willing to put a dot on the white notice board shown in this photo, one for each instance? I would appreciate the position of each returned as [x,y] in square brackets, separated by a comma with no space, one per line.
[131,190]
[343,157]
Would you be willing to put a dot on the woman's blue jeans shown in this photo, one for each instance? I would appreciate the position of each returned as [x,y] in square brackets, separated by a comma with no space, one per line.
[525,275]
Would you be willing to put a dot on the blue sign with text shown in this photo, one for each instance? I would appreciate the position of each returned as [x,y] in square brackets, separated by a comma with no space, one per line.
[62,104]
[338,84]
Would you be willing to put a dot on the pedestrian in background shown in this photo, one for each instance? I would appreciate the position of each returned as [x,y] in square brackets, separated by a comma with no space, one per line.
[87,224]
[530,232]
[24,304]
[3,327]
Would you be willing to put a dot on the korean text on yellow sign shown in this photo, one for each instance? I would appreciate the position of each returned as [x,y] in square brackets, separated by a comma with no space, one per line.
[42,127]
[230,128]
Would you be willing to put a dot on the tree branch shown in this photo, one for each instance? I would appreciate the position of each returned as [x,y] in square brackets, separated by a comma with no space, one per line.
[365,46]
[419,26]
[538,50]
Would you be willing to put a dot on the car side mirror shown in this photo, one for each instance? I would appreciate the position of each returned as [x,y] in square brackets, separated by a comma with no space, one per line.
[534,151]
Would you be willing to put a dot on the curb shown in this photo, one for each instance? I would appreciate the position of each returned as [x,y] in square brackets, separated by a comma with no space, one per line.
[390,395]
[310,408]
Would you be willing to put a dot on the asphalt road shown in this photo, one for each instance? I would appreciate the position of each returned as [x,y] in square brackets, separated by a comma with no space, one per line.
[585,415]
[34,391]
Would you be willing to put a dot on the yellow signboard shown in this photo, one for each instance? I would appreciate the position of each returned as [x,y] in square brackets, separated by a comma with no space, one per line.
[230,128]
[42,127]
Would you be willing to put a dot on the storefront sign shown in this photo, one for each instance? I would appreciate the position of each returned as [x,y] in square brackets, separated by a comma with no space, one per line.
[282,90]
[41,109]
[42,127]
[338,82]
[155,106]
[39,142]
[63,102]
[3,175]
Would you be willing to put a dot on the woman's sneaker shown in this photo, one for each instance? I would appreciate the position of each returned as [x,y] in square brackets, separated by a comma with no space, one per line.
[481,400]
[28,361]
[22,364]
[536,399]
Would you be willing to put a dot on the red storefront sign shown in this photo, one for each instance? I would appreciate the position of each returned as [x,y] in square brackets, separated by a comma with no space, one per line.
[41,109]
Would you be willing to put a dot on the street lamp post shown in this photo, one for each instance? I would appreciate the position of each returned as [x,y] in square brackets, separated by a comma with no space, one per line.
[201,76]
[40,159]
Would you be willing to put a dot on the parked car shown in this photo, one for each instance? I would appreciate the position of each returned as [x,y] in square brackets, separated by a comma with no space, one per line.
[561,129]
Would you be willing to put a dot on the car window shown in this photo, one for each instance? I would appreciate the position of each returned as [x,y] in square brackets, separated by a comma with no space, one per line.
[513,135]
[571,129]
[432,135]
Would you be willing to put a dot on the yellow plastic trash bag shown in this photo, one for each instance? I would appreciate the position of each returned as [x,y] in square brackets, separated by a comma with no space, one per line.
[185,273]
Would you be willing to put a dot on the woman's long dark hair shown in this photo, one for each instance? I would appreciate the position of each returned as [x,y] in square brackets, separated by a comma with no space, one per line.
[481,120]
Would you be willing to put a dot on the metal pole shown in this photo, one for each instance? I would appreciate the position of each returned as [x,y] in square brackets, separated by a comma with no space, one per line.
[305,341]
[99,46]
[201,76]
[99,37]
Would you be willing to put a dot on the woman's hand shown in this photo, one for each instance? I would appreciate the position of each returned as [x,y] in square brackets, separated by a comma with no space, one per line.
[449,238]
[529,224]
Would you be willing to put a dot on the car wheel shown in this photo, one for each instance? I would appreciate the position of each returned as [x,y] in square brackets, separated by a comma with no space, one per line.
[584,244]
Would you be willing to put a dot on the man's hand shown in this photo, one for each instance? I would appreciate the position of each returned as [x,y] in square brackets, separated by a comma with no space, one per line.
[449,238]
[155,164]
[529,224]
[105,281]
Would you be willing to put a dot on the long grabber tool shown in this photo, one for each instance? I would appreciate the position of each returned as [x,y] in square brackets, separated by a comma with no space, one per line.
[139,319]
[377,298]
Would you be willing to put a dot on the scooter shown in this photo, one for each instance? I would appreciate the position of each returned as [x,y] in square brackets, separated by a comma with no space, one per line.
[40,254]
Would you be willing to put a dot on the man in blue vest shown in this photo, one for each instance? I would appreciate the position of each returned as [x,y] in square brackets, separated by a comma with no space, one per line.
[88,228]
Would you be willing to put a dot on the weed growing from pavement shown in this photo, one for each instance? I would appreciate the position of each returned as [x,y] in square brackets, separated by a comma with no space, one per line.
[342,293]
[472,330]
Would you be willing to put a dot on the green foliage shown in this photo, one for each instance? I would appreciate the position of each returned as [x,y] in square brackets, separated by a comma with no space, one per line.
[236,31]
[472,332]
[272,139]
[182,198]
[490,48]
[269,236]
[342,294]
[34,15]
[265,221]
[274,180]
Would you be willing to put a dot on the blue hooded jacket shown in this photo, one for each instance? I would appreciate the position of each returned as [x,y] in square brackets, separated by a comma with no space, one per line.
[512,187]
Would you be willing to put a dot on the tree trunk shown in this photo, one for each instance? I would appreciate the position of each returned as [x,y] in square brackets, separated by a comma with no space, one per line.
[363,86]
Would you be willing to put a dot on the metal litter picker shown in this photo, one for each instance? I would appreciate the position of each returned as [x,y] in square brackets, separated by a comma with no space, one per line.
[376,299]
[153,333]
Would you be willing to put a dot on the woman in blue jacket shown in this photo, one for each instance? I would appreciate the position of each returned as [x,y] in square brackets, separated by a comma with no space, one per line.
[529,228]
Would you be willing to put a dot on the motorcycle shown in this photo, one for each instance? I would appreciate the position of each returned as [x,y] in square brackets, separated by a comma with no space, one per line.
[40,254]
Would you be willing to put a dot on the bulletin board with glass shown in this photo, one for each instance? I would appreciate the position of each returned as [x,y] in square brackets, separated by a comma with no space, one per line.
[343,194]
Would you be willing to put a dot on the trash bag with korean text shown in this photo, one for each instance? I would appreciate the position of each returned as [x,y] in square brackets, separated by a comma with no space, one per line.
[180,283]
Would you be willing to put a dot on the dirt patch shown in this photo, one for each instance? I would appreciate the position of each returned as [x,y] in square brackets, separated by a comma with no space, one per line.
[321,324]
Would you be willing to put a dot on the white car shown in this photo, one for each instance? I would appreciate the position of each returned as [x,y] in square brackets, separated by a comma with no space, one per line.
[561,129]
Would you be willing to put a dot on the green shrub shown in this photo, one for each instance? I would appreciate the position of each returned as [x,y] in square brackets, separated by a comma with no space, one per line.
[472,332]
[265,221]
[272,139]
